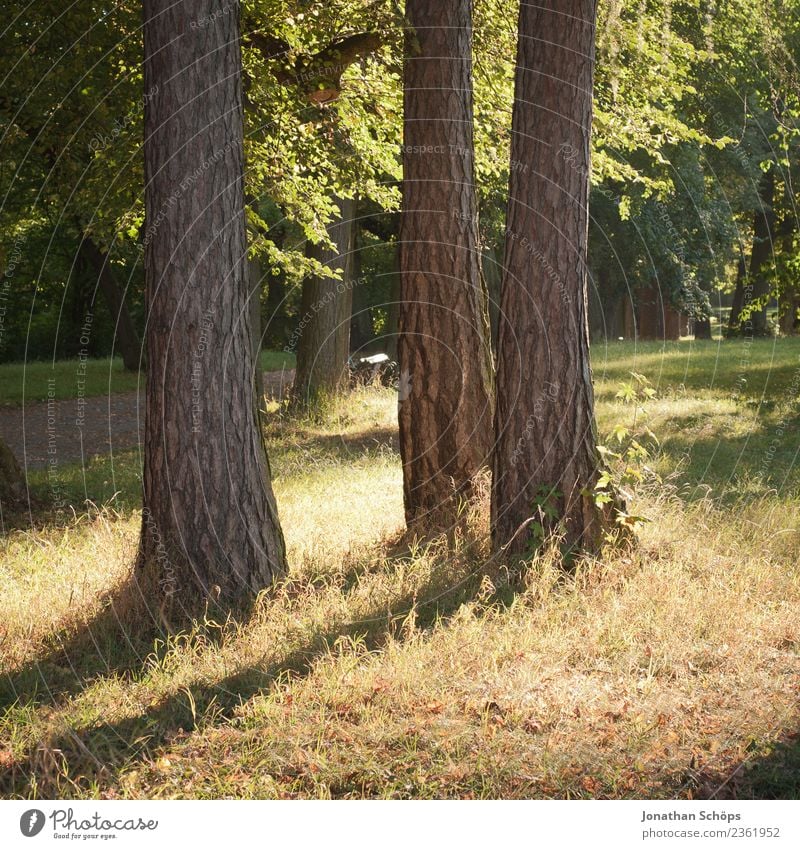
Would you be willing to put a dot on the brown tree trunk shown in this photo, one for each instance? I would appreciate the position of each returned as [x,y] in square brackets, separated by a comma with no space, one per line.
[254,276]
[789,296]
[702,328]
[546,460]
[788,319]
[361,327]
[209,516]
[126,339]
[738,296]
[493,275]
[390,335]
[444,349]
[275,331]
[12,483]
[325,313]
[757,285]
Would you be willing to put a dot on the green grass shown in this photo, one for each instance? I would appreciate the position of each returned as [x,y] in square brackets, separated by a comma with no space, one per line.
[396,668]
[727,413]
[39,381]
[727,417]
[760,370]
[277,360]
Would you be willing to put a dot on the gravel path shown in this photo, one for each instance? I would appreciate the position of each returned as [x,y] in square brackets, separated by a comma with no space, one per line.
[72,431]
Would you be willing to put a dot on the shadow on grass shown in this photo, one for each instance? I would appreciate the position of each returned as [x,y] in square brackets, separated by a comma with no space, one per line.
[346,446]
[772,774]
[91,754]
[751,464]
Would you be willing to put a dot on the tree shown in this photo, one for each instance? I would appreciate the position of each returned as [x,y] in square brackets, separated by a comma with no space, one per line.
[546,460]
[325,312]
[12,482]
[126,338]
[755,324]
[443,347]
[209,515]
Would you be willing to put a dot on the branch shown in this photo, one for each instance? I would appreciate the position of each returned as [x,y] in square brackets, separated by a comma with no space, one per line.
[319,75]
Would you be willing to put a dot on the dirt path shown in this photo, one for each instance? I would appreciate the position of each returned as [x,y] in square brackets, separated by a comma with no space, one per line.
[72,431]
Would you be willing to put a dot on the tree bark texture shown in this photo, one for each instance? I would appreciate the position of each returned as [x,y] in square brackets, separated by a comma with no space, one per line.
[444,347]
[546,461]
[209,516]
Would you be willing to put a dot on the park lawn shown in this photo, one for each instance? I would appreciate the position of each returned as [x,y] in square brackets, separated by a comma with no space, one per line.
[63,379]
[384,667]
[754,371]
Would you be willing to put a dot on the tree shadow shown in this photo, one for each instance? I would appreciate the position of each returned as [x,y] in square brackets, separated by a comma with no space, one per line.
[117,640]
[343,446]
[732,466]
[775,774]
[97,750]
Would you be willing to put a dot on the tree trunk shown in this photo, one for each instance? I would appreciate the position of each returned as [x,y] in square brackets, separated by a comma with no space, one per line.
[493,275]
[12,483]
[789,296]
[757,286]
[390,334]
[325,313]
[362,331]
[254,276]
[702,328]
[444,349]
[546,460]
[275,331]
[738,296]
[788,319]
[209,516]
[126,339]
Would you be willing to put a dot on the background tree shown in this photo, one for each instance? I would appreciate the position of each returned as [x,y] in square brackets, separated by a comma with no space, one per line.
[209,516]
[326,309]
[12,483]
[546,460]
[443,345]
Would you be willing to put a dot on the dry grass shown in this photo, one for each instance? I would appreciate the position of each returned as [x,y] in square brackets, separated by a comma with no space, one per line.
[383,670]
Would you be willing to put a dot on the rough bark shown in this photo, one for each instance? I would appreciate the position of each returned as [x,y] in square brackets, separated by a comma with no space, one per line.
[325,313]
[545,460]
[209,518]
[126,339]
[444,349]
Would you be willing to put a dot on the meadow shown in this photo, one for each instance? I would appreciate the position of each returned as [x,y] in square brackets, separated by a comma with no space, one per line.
[385,666]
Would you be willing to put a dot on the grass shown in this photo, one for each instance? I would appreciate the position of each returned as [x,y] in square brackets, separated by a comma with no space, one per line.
[384,668]
[39,381]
